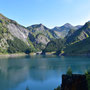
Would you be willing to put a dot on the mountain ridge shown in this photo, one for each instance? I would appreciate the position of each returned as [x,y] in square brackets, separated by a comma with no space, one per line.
[38,37]
[62,31]
[80,34]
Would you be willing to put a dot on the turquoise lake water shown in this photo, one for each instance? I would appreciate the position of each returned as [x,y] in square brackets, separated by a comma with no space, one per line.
[38,72]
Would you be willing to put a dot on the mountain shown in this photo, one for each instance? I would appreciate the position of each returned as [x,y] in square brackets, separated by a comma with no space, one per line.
[76,42]
[82,47]
[14,28]
[71,31]
[78,26]
[54,45]
[80,34]
[65,27]
[63,30]
[41,29]
[13,36]
[34,37]
[41,35]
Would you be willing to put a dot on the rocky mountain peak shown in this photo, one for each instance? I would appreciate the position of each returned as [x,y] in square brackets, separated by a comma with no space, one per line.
[87,25]
[68,25]
[89,21]
[37,27]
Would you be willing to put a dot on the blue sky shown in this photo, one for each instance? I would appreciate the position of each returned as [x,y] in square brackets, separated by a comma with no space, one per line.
[48,12]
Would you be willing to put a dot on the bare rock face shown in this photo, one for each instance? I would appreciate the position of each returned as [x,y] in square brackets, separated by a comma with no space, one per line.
[42,39]
[74,82]
[18,31]
[63,30]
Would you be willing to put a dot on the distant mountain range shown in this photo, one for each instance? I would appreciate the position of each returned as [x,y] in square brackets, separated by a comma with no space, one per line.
[63,30]
[76,42]
[17,38]
[80,34]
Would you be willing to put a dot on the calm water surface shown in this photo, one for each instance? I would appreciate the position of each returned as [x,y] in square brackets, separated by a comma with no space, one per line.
[38,72]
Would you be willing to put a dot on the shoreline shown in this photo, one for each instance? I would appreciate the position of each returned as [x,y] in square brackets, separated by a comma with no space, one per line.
[34,54]
[16,55]
[12,55]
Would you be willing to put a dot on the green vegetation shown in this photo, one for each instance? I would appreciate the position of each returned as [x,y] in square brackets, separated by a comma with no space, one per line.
[9,43]
[87,73]
[16,46]
[3,29]
[41,29]
[88,80]
[75,43]
[31,46]
[81,47]
[69,72]
[58,88]
[38,46]
[79,34]
[4,34]
[54,45]
[50,35]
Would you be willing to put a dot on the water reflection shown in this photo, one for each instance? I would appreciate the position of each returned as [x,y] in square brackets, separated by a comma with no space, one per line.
[38,72]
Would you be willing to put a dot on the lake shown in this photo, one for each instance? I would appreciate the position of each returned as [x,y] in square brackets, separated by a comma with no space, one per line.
[38,72]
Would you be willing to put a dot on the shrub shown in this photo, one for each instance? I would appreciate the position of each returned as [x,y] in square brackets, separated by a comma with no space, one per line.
[87,72]
[69,72]
[58,88]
